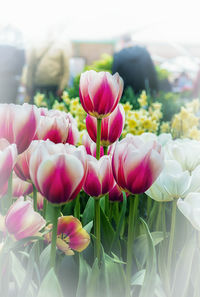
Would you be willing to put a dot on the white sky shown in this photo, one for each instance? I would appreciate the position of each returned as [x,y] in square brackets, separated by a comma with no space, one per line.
[154,20]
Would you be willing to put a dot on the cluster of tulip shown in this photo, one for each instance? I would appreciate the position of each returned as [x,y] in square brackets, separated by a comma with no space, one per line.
[39,158]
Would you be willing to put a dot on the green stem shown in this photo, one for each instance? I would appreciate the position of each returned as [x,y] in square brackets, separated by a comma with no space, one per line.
[98,142]
[158,221]
[97,229]
[163,220]
[35,198]
[172,232]
[77,207]
[149,206]
[44,208]
[105,150]
[132,213]
[107,206]
[56,213]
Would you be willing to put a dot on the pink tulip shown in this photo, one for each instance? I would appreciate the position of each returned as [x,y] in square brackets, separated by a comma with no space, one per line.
[22,165]
[99,179]
[57,128]
[116,194]
[100,92]
[136,164]
[90,145]
[70,235]
[111,126]
[21,187]
[8,156]
[18,124]
[22,221]
[58,171]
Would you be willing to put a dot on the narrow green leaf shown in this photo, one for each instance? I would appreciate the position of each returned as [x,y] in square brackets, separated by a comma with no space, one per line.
[44,260]
[84,273]
[88,213]
[148,287]
[50,286]
[183,269]
[121,220]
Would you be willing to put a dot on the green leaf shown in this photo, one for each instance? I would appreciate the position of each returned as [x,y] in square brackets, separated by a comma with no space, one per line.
[84,273]
[107,232]
[44,260]
[121,220]
[88,213]
[88,227]
[141,246]
[183,269]
[116,276]
[68,209]
[50,286]
[148,287]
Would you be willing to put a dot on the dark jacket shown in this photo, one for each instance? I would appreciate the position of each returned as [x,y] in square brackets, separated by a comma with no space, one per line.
[135,66]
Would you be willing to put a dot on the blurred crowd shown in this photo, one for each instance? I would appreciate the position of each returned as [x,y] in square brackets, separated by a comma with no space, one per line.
[48,67]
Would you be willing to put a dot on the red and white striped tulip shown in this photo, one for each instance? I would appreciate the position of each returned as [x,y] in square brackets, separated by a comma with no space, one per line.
[116,194]
[40,201]
[8,157]
[136,164]
[111,126]
[70,235]
[22,165]
[18,124]
[100,92]
[90,145]
[21,187]
[57,128]
[58,171]
[99,179]
[22,221]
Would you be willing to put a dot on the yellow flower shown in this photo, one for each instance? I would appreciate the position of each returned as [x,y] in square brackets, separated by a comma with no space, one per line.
[39,100]
[59,106]
[127,107]
[165,127]
[143,99]
[193,106]
[65,98]
[157,105]
[194,133]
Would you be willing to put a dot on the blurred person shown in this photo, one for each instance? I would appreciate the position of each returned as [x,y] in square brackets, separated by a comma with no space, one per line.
[12,60]
[135,66]
[182,83]
[47,69]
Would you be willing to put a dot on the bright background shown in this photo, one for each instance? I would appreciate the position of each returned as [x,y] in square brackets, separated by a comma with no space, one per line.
[153,20]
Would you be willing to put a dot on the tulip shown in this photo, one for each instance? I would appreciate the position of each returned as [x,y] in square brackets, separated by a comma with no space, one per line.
[190,208]
[22,221]
[111,126]
[22,165]
[116,194]
[180,150]
[70,235]
[99,179]
[100,92]
[18,124]
[21,187]
[40,201]
[58,171]
[8,156]
[90,145]
[174,182]
[136,164]
[52,128]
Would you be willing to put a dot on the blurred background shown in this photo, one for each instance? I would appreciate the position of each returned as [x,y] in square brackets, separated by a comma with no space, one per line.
[44,45]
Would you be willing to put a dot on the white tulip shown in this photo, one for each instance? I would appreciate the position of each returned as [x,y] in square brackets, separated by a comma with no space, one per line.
[190,208]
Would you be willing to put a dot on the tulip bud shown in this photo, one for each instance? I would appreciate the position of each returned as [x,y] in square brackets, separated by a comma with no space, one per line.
[22,221]
[99,178]
[136,164]
[111,126]
[100,92]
